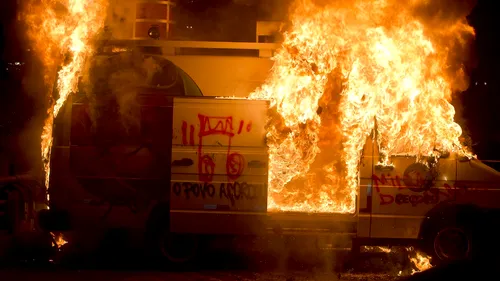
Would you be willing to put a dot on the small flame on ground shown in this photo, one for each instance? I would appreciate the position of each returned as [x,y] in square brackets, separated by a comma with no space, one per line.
[59,240]
[62,33]
[421,262]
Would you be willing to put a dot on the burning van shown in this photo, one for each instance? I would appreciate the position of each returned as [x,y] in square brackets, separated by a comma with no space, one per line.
[152,156]
[352,135]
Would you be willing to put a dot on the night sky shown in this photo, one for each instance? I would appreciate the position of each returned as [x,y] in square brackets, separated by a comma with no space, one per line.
[481,101]
[480,104]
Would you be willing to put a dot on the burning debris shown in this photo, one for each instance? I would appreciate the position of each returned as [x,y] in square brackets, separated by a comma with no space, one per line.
[418,261]
[116,79]
[344,67]
[58,240]
[421,261]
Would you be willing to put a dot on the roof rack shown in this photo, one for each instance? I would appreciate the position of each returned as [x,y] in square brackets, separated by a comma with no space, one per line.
[172,48]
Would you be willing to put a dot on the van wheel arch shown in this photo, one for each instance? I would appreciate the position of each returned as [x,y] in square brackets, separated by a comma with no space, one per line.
[158,236]
[157,219]
[449,212]
[447,217]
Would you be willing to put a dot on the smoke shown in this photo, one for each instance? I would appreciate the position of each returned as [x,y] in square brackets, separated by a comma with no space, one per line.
[443,11]
[116,81]
[121,18]
[25,111]
[274,10]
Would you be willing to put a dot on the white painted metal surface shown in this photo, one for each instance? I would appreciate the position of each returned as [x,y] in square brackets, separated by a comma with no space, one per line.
[219,155]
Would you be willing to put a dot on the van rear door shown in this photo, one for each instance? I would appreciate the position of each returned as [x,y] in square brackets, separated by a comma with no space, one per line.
[219,166]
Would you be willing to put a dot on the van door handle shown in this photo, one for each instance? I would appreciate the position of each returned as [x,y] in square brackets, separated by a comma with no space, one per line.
[256,164]
[184,162]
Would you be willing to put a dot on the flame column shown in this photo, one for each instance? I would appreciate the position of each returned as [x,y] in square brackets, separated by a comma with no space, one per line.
[154,19]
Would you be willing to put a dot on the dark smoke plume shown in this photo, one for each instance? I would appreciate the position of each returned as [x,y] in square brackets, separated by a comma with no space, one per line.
[116,80]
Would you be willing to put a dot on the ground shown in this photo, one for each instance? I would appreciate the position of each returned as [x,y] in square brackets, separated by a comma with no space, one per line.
[121,264]
[181,276]
[217,266]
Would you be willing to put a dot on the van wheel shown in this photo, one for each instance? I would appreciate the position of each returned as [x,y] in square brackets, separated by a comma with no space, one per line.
[450,243]
[179,248]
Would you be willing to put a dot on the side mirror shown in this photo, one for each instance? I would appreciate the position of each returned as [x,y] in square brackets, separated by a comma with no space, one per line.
[463,159]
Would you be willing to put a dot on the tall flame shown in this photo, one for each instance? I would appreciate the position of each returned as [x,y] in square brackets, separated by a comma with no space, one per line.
[62,33]
[345,69]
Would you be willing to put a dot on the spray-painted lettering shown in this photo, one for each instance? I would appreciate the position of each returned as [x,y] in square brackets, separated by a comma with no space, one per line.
[216,126]
[423,193]
[196,190]
[231,191]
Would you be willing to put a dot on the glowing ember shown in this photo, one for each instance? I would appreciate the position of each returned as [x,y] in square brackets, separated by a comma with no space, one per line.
[378,249]
[119,49]
[62,33]
[347,68]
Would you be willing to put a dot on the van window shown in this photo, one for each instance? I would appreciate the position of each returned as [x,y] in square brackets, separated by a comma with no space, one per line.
[191,89]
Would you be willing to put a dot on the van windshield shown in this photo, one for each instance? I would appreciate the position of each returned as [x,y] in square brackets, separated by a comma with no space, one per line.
[191,89]
[128,70]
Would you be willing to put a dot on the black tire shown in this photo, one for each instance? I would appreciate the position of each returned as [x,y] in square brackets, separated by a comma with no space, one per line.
[450,243]
[178,248]
[167,247]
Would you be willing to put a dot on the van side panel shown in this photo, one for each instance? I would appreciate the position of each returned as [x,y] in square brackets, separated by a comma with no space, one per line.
[401,197]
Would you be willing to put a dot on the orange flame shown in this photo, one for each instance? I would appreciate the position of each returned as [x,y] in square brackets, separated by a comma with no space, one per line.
[59,240]
[343,71]
[62,33]
[421,261]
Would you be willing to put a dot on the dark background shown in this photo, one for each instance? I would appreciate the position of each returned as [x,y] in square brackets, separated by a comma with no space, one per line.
[22,107]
